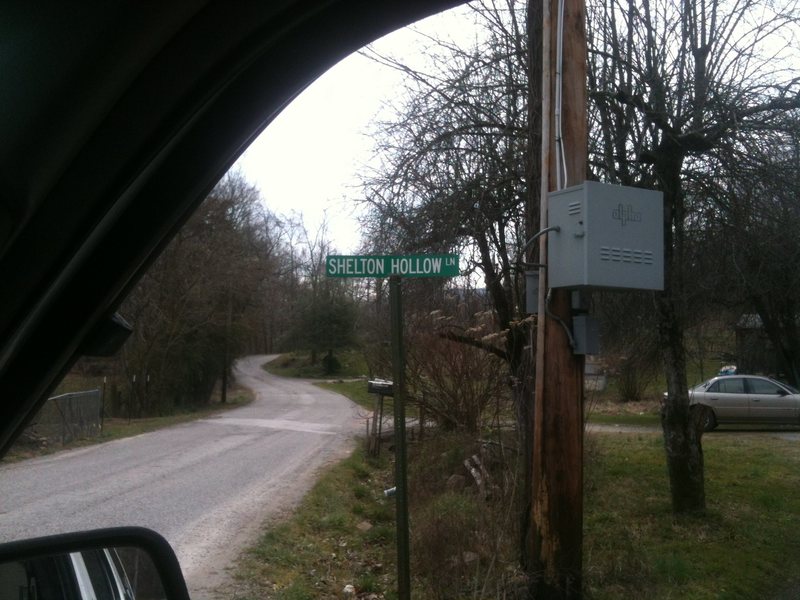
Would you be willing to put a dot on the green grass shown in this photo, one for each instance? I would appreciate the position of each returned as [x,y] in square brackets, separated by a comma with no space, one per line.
[298,364]
[746,545]
[643,420]
[357,392]
[342,534]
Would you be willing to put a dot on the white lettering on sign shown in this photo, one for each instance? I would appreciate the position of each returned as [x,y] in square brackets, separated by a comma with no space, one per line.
[372,266]
[357,265]
[416,265]
[384,266]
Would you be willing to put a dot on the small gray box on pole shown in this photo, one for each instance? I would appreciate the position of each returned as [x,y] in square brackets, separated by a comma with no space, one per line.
[609,236]
[532,292]
[586,334]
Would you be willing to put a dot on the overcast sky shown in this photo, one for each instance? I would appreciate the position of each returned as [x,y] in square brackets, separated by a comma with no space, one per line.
[307,159]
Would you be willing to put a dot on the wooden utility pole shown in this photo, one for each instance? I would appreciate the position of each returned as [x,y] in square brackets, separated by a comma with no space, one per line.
[557,506]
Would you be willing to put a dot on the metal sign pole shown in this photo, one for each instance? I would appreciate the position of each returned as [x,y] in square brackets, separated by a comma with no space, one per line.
[401,497]
[395,267]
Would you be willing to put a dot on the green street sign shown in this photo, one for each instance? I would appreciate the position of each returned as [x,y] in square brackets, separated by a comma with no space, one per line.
[416,265]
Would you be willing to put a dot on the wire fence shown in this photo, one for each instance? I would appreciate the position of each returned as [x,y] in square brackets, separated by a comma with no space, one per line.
[71,416]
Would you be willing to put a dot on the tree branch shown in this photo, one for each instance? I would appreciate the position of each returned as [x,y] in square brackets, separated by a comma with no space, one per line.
[470,341]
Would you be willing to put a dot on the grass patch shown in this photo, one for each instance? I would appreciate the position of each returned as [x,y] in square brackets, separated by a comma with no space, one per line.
[744,546]
[635,547]
[298,364]
[338,536]
[357,392]
[643,420]
[118,428]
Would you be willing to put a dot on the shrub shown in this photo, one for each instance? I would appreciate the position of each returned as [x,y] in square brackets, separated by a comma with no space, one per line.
[455,383]
[444,542]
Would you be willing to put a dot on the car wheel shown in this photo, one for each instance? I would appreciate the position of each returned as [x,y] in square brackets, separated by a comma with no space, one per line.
[709,420]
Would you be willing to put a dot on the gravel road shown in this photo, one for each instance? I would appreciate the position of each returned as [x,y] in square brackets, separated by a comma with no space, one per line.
[207,486]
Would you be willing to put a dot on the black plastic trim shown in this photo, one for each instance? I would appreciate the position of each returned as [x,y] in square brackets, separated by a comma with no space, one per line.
[155,545]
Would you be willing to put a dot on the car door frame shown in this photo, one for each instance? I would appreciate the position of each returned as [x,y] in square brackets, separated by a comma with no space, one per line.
[728,407]
[771,408]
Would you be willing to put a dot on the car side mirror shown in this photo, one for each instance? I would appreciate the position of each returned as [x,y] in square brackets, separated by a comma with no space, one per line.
[123,563]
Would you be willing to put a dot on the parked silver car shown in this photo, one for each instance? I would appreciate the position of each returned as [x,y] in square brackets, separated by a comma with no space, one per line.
[747,399]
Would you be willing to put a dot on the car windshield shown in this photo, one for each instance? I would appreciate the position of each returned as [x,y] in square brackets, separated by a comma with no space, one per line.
[434,328]
[792,389]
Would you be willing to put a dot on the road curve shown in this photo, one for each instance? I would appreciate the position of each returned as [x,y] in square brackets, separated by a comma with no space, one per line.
[207,486]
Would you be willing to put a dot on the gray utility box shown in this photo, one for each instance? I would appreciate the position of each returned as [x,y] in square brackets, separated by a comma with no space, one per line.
[610,237]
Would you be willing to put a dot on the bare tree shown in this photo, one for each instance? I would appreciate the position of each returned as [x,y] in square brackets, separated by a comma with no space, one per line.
[750,207]
[671,83]
[454,166]
[189,309]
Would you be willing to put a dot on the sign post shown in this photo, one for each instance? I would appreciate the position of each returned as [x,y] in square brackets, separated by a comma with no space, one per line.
[396,267]
[400,461]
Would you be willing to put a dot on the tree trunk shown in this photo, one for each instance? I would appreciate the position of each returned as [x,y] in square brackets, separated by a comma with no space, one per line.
[223,398]
[682,443]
